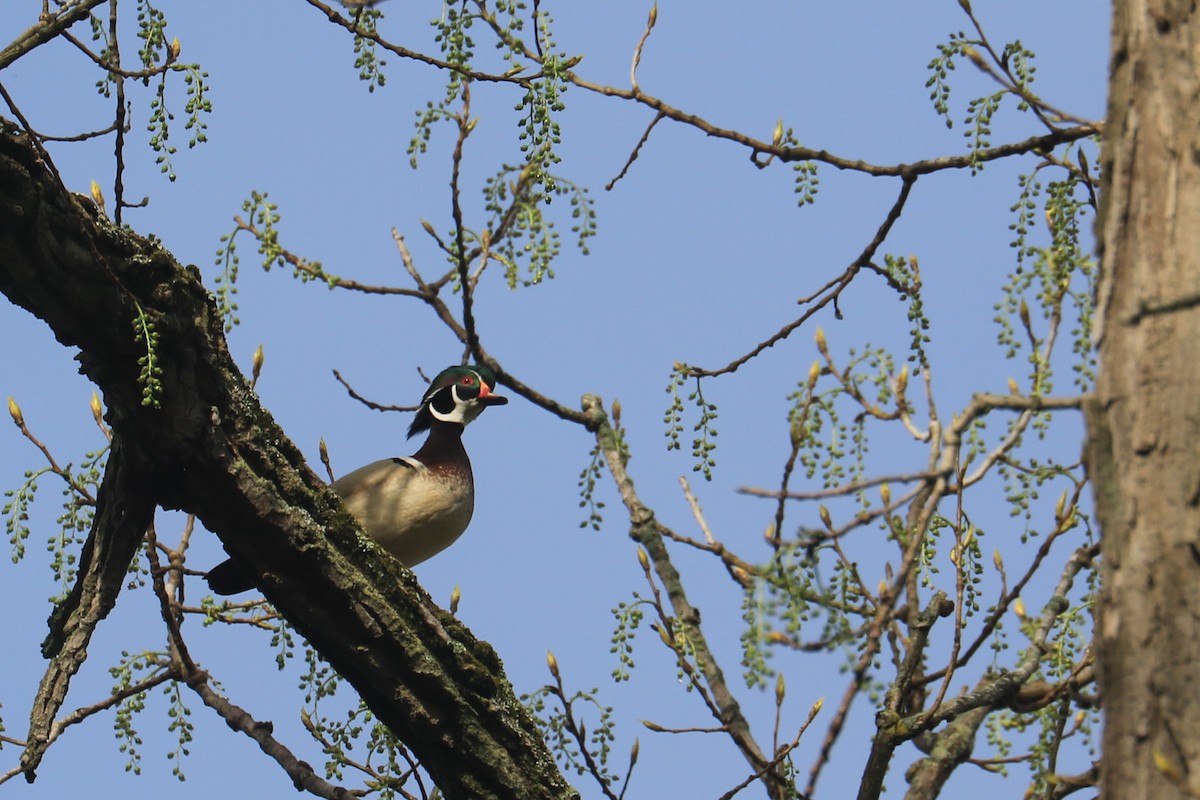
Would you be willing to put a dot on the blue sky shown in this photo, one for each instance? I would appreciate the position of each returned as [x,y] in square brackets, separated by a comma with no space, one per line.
[699,256]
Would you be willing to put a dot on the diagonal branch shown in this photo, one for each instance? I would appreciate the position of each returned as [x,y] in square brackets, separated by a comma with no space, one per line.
[647,532]
[209,448]
[45,30]
[831,291]
[124,510]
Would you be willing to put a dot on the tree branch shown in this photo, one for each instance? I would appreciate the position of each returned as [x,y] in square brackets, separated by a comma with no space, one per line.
[644,530]
[211,450]
[124,510]
[46,30]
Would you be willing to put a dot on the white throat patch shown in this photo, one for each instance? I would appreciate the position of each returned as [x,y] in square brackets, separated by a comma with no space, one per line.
[464,411]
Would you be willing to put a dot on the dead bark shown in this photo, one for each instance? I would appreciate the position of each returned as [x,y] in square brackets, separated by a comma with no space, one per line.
[1144,423]
[209,448]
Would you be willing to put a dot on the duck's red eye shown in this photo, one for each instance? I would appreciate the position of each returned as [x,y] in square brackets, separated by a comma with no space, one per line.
[467,380]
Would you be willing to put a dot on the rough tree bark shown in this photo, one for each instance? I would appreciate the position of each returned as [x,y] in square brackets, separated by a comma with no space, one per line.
[1144,424]
[211,449]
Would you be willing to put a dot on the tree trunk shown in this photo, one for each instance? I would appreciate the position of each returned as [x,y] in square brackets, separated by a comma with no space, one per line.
[1144,423]
[205,445]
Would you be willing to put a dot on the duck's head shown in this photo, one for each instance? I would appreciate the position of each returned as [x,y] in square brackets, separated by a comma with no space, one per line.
[456,395]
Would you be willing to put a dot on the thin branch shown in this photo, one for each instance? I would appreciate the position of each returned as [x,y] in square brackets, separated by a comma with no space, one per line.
[369,403]
[460,255]
[863,517]
[85,497]
[637,51]
[835,287]
[374,775]
[959,591]
[633,757]
[118,117]
[413,55]
[793,153]
[670,633]
[537,27]
[1009,81]
[637,149]
[114,68]
[790,153]
[219,614]
[84,712]
[519,192]
[654,726]
[781,754]
[843,490]
[694,504]
[302,775]
[982,403]
[78,137]
[428,293]
[167,606]
[314,271]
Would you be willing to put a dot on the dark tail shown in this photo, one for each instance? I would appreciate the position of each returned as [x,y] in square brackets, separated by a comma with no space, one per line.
[226,578]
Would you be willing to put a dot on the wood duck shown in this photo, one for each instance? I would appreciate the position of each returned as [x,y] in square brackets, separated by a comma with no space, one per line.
[413,506]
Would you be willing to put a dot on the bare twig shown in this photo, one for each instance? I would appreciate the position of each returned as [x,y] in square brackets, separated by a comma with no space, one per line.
[118,115]
[780,755]
[465,127]
[793,153]
[696,512]
[835,287]
[81,492]
[637,149]
[369,403]
[637,51]
[844,489]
